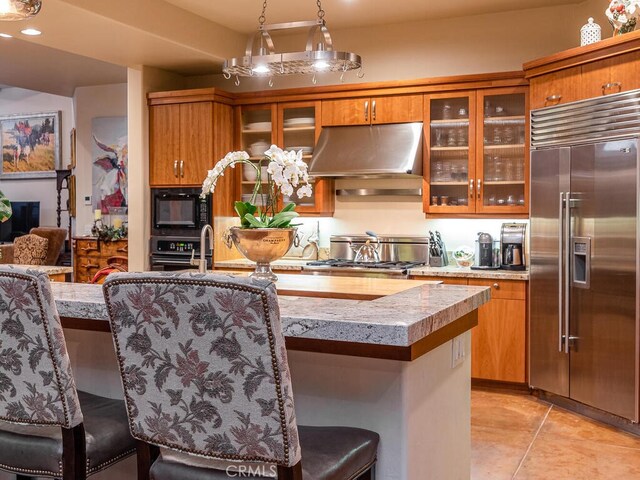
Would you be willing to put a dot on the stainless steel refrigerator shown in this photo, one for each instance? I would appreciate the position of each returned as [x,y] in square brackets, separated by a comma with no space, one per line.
[583,313]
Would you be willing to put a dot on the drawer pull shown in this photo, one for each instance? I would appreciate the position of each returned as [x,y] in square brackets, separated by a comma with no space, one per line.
[90,265]
[554,98]
[124,249]
[609,86]
[89,249]
[496,286]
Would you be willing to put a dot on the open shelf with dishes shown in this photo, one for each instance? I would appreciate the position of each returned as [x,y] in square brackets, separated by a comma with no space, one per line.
[291,126]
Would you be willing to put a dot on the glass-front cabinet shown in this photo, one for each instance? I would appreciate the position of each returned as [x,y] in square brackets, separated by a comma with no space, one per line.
[476,154]
[450,150]
[502,152]
[292,126]
[256,136]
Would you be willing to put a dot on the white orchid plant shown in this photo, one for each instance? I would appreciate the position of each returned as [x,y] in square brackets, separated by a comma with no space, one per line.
[286,173]
[5,208]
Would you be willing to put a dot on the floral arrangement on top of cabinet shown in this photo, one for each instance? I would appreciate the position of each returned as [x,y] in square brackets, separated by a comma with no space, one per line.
[476,160]
[293,126]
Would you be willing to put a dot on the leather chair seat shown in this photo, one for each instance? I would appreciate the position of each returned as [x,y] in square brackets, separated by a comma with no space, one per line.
[328,453]
[38,450]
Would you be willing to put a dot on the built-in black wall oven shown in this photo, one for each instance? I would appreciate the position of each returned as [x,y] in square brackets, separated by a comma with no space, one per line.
[178,215]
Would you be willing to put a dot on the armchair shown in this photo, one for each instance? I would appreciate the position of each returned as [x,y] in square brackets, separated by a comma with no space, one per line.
[55,236]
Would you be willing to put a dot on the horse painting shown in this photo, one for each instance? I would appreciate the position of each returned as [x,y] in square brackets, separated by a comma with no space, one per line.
[29,143]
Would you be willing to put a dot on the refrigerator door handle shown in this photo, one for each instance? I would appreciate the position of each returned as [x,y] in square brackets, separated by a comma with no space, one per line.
[560,272]
[567,279]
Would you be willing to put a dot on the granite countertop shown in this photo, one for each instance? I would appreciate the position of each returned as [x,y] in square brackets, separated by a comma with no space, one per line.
[282,264]
[399,319]
[48,269]
[466,272]
[451,271]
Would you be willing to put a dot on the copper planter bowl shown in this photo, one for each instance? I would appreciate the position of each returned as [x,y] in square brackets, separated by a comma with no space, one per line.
[263,246]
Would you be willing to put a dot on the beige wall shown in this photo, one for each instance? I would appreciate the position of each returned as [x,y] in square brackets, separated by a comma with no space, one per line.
[457,46]
[142,80]
[18,100]
[90,103]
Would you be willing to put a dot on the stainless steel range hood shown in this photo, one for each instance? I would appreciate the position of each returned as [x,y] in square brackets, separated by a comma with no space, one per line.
[369,151]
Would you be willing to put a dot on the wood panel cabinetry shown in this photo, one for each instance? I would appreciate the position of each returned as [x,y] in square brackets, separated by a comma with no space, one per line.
[372,110]
[90,255]
[188,132]
[603,68]
[499,342]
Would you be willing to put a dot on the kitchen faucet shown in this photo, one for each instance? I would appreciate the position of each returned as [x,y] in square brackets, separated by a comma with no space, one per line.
[202,263]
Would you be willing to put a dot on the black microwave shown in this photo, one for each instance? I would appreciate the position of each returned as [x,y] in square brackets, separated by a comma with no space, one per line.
[180,209]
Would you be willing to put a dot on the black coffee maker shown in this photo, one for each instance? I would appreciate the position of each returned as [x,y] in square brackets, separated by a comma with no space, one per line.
[512,246]
[486,255]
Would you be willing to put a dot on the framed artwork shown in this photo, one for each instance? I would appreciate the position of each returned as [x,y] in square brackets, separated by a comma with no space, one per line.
[31,145]
[72,145]
[109,153]
[71,206]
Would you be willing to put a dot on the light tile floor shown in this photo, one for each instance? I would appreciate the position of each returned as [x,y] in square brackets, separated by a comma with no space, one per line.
[518,436]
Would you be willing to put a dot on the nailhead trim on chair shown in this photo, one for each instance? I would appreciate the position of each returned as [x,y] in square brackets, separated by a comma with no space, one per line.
[45,324]
[111,461]
[211,283]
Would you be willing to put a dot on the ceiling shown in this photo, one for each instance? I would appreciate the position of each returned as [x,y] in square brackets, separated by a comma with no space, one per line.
[92,42]
[242,15]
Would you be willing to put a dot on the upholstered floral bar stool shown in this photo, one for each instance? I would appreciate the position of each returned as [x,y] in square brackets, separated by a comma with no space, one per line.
[47,427]
[205,376]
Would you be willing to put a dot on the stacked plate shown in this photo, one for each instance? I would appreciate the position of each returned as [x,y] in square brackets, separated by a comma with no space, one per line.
[258,126]
[300,122]
[305,150]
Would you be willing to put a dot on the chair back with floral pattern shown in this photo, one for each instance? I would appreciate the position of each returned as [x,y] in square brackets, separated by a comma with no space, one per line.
[203,365]
[36,382]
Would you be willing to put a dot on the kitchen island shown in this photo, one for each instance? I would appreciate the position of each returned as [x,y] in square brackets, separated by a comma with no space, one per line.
[383,364]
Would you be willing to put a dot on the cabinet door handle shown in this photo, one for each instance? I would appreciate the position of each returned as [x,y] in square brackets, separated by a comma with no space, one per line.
[366,110]
[479,187]
[610,85]
[554,98]
[373,109]
[182,168]
[471,189]
[175,168]
[496,286]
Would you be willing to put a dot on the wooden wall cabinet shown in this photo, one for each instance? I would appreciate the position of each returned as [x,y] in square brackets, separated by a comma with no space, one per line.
[556,88]
[476,153]
[189,131]
[499,342]
[372,110]
[290,125]
[602,68]
[90,255]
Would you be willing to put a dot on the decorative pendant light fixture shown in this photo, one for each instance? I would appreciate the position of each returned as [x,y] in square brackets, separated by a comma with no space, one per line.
[12,10]
[261,59]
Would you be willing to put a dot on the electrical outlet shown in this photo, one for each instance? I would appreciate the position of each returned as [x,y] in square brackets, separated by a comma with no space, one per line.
[457,351]
[87,200]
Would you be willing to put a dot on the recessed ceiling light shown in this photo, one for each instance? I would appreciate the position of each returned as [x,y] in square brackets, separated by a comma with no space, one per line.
[31,31]
[5,35]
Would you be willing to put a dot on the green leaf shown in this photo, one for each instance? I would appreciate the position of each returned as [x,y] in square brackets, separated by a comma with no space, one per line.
[5,208]
[253,222]
[282,219]
[290,207]
[243,209]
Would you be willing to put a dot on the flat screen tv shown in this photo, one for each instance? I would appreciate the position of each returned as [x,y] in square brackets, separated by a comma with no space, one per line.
[26,215]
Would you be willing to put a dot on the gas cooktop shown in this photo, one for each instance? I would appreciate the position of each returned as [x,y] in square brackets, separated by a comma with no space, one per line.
[349,267]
